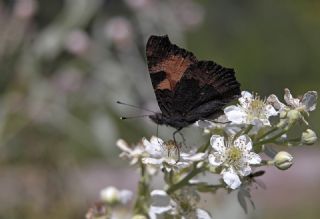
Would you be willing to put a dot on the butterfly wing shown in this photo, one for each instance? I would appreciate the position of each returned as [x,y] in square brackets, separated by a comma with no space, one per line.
[167,64]
[204,90]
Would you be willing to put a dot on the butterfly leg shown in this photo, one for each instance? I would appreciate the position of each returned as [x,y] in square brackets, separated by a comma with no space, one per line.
[175,142]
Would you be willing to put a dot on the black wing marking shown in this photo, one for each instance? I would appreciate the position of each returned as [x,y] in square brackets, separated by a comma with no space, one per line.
[166,63]
[205,89]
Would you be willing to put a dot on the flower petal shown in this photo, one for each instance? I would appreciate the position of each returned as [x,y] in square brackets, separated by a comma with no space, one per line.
[202,214]
[156,141]
[125,196]
[245,170]
[243,142]
[152,161]
[153,147]
[158,192]
[293,102]
[215,159]
[193,157]
[263,122]
[159,209]
[245,99]
[309,100]
[235,114]
[233,129]
[122,144]
[270,111]
[253,158]
[275,102]
[231,179]
[217,143]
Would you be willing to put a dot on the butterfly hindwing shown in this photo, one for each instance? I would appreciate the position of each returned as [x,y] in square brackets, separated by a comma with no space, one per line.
[204,89]
[167,64]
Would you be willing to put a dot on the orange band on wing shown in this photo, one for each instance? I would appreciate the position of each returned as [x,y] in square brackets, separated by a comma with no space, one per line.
[174,67]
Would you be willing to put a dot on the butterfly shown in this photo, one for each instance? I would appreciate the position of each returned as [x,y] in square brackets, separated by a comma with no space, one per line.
[187,90]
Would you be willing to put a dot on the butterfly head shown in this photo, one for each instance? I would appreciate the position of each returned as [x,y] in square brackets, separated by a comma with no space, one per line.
[158,118]
[176,121]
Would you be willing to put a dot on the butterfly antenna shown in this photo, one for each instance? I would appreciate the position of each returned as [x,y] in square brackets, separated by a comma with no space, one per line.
[133,106]
[133,117]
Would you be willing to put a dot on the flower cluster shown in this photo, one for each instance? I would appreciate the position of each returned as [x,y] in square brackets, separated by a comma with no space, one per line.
[233,151]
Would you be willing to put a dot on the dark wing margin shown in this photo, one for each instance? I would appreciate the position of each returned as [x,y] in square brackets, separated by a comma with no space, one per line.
[205,89]
[166,64]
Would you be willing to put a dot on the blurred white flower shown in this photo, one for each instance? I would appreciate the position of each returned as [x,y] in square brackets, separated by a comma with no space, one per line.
[25,9]
[67,80]
[134,153]
[112,195]
[77,42]
[190,13]
[119,30]
[252,110]
[173,209]
[235,158]
[162,154]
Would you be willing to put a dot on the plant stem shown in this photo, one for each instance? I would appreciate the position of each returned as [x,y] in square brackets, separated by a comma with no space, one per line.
[141,205]
[270,139]
[204,147]
[184,181]
[267,133]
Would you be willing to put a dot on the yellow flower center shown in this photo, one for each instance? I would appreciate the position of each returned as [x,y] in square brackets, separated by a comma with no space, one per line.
[234,154]
[256,108]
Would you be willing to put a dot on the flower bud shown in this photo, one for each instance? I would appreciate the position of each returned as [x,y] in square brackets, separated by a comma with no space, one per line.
[110,195]
[293,116]
[283,160]
[309,137]
[283,114]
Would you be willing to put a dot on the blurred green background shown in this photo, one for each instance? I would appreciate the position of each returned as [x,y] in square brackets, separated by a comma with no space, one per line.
[64,64]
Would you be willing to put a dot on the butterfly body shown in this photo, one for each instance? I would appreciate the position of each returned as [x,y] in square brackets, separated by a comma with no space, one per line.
[187,90]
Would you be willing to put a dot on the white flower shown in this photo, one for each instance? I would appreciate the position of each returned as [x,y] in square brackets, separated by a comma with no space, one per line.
[133,153]
[167,153]
[252,110]
[172,208]
[235,158]
[159,151]
[307,103]
[112,195]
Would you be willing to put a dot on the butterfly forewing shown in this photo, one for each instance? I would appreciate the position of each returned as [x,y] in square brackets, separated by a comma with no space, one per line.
[166,63]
